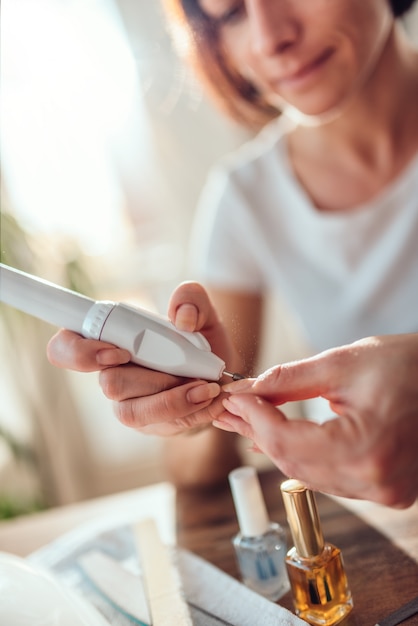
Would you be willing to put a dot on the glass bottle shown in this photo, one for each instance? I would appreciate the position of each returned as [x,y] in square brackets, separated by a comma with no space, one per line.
[260,546]
[316,571]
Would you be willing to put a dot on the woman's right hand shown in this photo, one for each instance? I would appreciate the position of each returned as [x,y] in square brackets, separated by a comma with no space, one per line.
[148,401]
[370,450]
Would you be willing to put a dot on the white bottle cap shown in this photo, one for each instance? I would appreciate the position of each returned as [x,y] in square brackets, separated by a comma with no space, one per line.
[249,502]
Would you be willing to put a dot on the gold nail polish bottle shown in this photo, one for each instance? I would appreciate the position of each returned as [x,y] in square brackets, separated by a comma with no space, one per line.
[315,568]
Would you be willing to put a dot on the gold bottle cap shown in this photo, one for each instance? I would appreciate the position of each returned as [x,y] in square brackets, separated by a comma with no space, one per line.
[302,516]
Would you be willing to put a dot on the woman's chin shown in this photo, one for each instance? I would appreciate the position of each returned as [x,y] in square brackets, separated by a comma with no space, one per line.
[312,118]
[313,113]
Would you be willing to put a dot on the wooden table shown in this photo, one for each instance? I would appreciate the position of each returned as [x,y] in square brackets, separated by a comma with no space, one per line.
[379,545]
[382,575]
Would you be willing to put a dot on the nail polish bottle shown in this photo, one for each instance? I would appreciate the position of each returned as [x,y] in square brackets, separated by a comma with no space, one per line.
[260,546]
[316,571]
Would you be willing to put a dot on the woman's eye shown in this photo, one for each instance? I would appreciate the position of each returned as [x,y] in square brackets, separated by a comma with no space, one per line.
[232,15]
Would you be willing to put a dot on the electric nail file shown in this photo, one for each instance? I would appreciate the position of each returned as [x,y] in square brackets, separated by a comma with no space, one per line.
[152,340]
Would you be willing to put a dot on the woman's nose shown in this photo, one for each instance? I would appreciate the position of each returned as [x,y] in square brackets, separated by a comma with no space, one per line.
[274,26]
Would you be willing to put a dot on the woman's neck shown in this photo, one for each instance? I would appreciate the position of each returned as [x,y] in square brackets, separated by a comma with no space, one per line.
[372,140]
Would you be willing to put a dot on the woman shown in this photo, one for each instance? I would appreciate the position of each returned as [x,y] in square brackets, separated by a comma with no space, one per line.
[321,206]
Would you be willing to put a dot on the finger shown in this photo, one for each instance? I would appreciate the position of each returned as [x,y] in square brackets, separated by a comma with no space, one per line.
[240,416]
[133,381]
[72,351]
[298,439]
[183,407]
[190,308]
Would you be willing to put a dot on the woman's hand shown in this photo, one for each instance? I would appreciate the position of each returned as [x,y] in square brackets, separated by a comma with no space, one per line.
[148,401]
[371,450]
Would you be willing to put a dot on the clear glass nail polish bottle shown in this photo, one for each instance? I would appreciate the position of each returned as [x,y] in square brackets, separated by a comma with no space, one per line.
[260,546]
[316,571]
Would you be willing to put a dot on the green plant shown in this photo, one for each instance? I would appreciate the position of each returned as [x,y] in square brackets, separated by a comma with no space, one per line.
[42,390]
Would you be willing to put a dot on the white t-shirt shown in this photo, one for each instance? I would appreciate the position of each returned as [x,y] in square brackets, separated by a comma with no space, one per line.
[344,275]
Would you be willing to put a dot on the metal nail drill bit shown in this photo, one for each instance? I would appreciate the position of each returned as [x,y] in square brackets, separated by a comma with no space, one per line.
[234,376]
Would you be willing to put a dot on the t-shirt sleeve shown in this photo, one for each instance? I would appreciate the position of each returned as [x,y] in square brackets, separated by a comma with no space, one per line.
[225,236]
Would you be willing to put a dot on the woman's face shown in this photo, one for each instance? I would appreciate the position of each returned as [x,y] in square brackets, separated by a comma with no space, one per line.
[309,54]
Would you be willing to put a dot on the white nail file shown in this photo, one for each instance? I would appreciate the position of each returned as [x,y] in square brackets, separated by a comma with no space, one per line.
[162,580]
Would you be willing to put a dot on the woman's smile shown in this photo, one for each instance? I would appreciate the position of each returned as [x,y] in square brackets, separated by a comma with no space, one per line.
[304,74]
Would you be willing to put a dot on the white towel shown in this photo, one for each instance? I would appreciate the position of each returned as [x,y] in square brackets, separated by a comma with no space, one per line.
[220,595]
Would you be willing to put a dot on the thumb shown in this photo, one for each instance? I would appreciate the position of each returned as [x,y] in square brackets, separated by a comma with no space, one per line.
[190,308]
[298,380]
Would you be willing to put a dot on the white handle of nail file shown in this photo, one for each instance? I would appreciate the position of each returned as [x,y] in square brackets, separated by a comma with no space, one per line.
[151,339]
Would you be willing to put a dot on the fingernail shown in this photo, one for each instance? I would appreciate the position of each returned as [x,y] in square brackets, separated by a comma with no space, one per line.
[202,393]
[222,425]
[239,385]
[231,404]
[112,356]
[186,317]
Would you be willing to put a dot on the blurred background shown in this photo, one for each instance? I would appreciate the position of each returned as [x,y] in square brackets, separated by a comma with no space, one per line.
[106,141]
